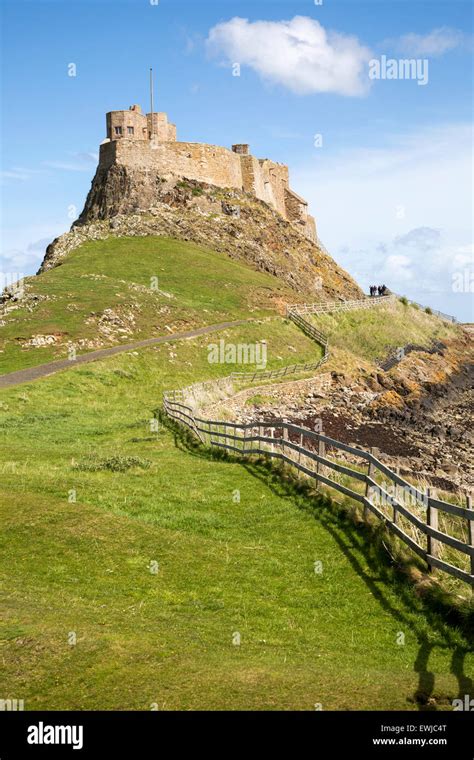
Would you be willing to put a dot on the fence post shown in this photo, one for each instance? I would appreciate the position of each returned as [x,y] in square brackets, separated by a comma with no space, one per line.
[432,520]
[322,453]
[300,474]
[396,493]
[272,436]
[470,532]
[285,438]
[368,487]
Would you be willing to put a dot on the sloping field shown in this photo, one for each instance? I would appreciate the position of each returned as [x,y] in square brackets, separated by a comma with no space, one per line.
[124,289]
[138,573]
[370,334]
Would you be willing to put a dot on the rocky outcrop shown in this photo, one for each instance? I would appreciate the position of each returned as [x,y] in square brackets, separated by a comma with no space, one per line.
[427,433]
[126,202]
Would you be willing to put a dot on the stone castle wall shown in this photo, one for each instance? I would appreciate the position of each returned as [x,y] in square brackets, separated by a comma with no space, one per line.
[205,163]
[129,145]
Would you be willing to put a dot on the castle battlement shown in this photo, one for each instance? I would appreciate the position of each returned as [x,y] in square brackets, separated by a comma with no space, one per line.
[135,125]
[148,141]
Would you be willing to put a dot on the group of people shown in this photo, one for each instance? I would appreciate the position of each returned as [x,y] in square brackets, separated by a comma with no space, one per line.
[378,290]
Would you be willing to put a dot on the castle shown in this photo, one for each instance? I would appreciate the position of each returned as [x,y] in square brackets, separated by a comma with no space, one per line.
[148,142]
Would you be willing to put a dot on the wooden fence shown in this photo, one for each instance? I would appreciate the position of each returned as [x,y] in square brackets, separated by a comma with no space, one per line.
[327,307]
[440,314]
[196,390]
[193,393]
[414,516]
[406,511]
[310,329]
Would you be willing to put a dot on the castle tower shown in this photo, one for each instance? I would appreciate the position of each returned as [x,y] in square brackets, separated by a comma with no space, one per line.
[147,144]
[135,125]
[160,128]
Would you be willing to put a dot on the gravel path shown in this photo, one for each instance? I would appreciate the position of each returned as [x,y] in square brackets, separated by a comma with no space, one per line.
[43,370]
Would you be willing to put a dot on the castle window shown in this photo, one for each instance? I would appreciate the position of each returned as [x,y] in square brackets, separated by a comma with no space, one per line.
[130,130]
[118,130]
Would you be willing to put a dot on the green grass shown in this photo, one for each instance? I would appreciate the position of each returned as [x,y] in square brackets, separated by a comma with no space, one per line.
[205,288]
[369,334]
[94,500]
[224,567]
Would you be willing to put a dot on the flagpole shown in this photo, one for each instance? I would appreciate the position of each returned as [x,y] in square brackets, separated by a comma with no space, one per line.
[152,131]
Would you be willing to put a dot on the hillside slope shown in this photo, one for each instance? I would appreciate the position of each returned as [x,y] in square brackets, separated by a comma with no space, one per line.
[418,412]
[228,221]
[93,495]
[83,564]
[123,289]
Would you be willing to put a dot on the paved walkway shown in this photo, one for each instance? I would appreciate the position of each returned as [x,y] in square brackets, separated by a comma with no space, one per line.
[43,370]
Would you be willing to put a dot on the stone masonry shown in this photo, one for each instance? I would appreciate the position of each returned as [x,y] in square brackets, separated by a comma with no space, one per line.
[147,143]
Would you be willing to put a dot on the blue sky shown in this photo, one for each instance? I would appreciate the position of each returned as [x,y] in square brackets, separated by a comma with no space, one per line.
[390,185]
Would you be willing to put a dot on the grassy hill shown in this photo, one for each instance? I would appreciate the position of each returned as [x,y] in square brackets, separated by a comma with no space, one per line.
[83,567]
[93,502]
[368,335]
[124,289]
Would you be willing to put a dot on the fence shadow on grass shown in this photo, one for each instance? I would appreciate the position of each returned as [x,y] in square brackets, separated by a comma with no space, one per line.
[431,618]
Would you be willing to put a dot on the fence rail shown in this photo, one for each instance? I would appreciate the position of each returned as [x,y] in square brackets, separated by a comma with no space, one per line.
[440,314]
[326,307]
[312,454]
[197,389]
[194,391]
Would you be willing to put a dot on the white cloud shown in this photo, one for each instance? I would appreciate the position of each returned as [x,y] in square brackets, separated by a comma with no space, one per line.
[66,166]
[298,54]
[16,260]
[464,257]
[399,214]
[437,42]
[81,163]
[23,248]
[427,276]
[87,156]
[19,173]
[397,267]
[421,238]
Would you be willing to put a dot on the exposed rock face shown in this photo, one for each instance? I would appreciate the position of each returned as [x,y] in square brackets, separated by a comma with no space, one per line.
[427,431]
[119,189]
[130,202]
